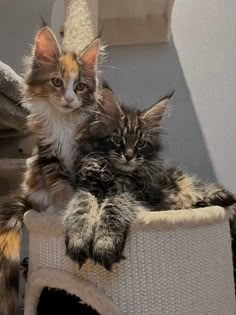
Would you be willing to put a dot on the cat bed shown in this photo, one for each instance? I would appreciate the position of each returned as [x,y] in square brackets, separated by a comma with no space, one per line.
[177,262]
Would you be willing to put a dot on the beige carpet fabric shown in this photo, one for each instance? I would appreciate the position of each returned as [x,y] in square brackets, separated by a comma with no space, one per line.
[178,262]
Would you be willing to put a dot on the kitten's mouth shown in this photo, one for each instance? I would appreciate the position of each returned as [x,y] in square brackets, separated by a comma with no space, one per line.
[66,108]
[125,166]
[122,164]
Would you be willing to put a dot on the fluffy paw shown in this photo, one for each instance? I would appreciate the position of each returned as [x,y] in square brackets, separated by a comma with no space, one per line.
[77,248]
[79,223]
[221,197]
[201,204]
[108,250]
[91,170]
[106,176]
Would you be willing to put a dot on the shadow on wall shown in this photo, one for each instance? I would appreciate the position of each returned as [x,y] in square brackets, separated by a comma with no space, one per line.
[140,75]
[19,22]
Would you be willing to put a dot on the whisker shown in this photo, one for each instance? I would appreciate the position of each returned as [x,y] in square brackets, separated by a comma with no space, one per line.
[24,101]
[109,67]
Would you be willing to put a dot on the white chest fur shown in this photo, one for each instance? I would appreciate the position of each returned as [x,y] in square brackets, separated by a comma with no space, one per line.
[58,130]
[63,142]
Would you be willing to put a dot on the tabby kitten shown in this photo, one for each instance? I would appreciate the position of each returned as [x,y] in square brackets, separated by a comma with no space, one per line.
[119,171]
[60,90]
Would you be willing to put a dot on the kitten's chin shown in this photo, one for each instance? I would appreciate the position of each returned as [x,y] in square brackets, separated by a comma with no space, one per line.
[65,109]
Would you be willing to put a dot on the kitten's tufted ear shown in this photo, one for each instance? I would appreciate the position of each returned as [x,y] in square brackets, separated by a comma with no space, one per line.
[108,113]
[154,114]
[108,106]
[46,46]
[89,55]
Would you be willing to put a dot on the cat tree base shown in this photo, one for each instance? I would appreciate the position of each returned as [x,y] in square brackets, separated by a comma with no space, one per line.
[178,262]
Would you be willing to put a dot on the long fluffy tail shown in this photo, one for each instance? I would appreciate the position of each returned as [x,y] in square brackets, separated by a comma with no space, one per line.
[11,221]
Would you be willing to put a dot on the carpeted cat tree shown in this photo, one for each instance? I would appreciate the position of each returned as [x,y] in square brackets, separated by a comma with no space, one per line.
[177,262]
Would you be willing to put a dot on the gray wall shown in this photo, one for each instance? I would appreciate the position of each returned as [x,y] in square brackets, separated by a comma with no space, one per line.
[199,63]
[19,21]
[144,74]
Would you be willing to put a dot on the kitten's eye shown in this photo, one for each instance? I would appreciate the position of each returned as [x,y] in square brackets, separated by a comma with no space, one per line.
[57,82]
[117,139]
[80,87]
[141,144]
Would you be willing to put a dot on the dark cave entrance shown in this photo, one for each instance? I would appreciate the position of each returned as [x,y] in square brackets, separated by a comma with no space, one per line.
[59,302]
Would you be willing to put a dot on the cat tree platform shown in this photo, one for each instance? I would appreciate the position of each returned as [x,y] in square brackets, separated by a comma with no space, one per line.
[178,262]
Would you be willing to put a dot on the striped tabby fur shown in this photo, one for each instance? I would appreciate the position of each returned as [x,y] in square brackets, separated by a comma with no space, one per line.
[120,171]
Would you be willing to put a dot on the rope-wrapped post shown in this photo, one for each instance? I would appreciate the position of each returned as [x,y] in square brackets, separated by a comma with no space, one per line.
[81,23]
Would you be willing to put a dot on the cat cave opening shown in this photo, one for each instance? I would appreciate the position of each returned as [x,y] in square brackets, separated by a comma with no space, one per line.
[54,301]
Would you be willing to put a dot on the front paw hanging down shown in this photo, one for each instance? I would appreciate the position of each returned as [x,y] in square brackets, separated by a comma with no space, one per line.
[116,215]
[77,248]
[79,222]
[108,249]
[218,196]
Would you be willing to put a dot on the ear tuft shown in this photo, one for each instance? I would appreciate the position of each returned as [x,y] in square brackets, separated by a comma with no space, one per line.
[154,114]
[108,104]
[89,55]
[46,45]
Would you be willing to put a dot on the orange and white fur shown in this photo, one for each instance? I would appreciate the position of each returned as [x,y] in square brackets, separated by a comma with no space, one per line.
[60,91]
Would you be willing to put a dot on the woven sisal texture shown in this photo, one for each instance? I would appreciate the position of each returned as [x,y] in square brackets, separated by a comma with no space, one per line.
[177,270]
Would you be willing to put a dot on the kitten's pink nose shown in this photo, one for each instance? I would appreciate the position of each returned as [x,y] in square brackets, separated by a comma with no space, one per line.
[69,99]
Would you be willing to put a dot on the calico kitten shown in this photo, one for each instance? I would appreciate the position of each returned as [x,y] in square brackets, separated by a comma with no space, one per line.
[119,171]
[60,89]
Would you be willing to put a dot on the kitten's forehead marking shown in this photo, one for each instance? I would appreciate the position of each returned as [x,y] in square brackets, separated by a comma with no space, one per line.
[130,129]
[69,63]
[70,70]
[70,67]
[131,124]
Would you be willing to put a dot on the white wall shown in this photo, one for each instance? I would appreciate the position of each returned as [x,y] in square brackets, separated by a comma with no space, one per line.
[205,37]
